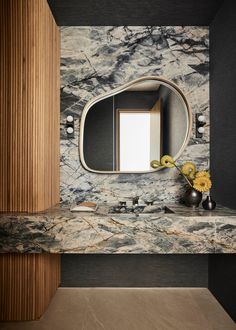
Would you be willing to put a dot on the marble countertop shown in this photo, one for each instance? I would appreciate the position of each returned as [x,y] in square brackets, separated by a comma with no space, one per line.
[58,230]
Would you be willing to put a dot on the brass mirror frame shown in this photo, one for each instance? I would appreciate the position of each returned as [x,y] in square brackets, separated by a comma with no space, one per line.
[165,82]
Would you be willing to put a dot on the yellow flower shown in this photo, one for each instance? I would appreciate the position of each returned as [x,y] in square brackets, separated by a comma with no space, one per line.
[167,161]
[202,183]
[155,164]
[189,169]
[203,174]
[191,176]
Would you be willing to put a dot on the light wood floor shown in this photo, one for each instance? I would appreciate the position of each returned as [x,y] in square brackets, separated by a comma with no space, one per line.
[130,309]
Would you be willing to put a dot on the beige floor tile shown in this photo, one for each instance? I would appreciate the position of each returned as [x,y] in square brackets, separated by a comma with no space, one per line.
[130,309]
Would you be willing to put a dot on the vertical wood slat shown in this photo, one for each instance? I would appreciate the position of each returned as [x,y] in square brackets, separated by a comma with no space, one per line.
[27,284]
[29,106]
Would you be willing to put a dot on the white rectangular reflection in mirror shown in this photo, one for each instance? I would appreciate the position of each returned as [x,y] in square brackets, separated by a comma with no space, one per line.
[134,146]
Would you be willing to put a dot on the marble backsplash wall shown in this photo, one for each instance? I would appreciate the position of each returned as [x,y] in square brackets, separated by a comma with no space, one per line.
[95,60]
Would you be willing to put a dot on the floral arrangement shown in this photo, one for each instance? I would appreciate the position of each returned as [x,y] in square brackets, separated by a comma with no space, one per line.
[199,180]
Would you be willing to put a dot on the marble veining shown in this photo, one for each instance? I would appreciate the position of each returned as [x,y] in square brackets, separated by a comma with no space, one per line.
[95,60]
[61,231]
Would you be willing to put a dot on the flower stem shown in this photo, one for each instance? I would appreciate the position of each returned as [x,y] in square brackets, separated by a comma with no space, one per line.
[189,183]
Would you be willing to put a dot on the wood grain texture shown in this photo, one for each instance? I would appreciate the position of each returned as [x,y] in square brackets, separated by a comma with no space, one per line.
[27,284]
[29,106]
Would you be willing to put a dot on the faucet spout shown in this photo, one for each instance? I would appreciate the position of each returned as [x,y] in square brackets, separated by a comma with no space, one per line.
[135,200]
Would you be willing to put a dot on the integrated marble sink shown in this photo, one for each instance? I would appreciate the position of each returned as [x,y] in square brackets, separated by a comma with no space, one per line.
[139,209]
[174,209]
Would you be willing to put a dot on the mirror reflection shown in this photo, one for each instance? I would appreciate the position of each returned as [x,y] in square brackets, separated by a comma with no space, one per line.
[125,132]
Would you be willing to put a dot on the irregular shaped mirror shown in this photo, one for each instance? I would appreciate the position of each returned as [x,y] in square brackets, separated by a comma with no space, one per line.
[126,129]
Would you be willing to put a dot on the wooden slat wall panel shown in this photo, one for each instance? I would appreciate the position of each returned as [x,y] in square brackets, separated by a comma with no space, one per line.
[27,284]
[29,106]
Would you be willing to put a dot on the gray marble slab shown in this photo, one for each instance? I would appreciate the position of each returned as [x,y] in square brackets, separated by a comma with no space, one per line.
[59,230]
[97,59]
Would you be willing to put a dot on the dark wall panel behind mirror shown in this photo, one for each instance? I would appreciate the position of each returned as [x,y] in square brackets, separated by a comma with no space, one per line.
[136,100]
[134,270]
[223,104]
[98,138]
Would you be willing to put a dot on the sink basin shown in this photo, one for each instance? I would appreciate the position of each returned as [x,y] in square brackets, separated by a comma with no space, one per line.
[139,209]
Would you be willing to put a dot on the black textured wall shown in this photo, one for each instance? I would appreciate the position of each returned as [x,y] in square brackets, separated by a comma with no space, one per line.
[134,12]
[223,104]
[135,270]
[221,280]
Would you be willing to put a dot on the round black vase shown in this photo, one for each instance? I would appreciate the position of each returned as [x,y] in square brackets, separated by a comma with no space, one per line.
[192,197]
[208,204]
